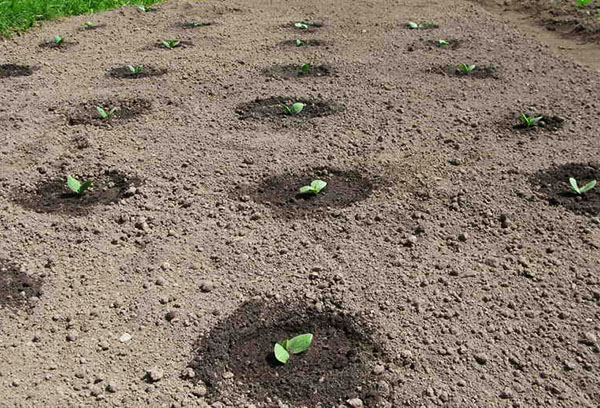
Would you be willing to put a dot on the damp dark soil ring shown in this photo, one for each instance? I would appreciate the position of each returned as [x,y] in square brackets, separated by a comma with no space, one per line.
[328,373]
[54,46]
[53,195]
[190,25]
[181,44]
[313,42]
[125,73]
[87,113]
[92,28]
[271,108]
[479,72]
[293,71]
[14,70]
[16,286]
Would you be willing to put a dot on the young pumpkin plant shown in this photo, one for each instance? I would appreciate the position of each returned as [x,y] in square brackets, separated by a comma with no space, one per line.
[304,68]
[295,345]
[59,39]
[303,25]
[170,44]
[77,186]
[193,24]
[313,188]
[88,25]
[581,190]
[466,68]
[106,114]
[294,109]
[301,43]
[135,69]
[529,121]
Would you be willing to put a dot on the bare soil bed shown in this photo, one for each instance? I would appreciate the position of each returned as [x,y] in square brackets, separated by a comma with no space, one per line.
[445,264]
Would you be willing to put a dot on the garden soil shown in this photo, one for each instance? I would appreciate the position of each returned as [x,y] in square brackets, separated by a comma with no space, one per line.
[445,264]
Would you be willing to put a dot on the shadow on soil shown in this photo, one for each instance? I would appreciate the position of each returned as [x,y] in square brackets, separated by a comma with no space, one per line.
[271,108]
[16,287]
[125,73]
[330,372]
[553,184]
[53,196]
[280,192]
[293,71]
[86,113]
[13,70]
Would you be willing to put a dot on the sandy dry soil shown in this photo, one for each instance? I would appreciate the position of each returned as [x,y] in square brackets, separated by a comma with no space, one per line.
[445,264]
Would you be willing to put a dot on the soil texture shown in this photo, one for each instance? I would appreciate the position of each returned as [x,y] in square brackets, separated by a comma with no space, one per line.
[17,288]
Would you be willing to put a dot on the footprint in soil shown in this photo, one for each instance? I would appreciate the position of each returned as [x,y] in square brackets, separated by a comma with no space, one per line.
[271,108]
[53,196]
[87,114]
[14,70]
[280,192]
[143,71]
[16,286]
[553,184]
[294,71]
[242,344]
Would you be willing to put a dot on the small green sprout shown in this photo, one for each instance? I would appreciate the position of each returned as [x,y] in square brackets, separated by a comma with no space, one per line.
[314,188]
[303,25]
[88,25]
[170,44]
[295,345]
[305,68]
[78,187]
[441,43]
[466,68]
[106,114]
[300,43]
[581,3]
[192,24]
[58,39]
[581,190]
[145,9]
[135,69]
[295,109]
[415,26]
[529,121]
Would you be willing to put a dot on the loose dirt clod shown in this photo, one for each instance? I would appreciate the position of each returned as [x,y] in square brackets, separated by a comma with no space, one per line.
[241,346]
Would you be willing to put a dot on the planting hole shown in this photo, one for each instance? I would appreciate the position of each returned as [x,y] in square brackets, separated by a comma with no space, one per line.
[139,71]
[479,72]
[328,373]
[87,114]
[16,286]
[547,122]
[271,108]
[53,195]
[13,70]
[313,42]
[295,71]
[281,192]
[553,185]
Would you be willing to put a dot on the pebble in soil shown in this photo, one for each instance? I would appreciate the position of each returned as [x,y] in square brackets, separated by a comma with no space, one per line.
[236,357]
[294,71]
[86,113]
[125,73]
[280,192]
[271,108]
[53,195]
[553,184]
[17,287]
[14,70]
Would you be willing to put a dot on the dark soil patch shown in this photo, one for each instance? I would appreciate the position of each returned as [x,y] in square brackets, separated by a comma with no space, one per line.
[280,192]
[124,72]
[553,184]
[53,196]
[270,108]
[13,70]
[86,113]
[182,44]
[91,28]
[16,286]
[305,43]
[293,71]
[326,375]
[188,25]
[479,72]
[548,122]
[54,46]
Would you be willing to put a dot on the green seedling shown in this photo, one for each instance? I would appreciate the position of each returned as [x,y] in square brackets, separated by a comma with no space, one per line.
[192,24]
[78,187]
[295,345]
[145,9]
[441,43]
[59,39]
[135,69]
[303,25]
[529,121]
[581,3]
[581,190]
[415,26]
[294,109]
[88,25]
[314,188]
[170,44]
[466,68]
[106,114]
[300,43]
[305,68]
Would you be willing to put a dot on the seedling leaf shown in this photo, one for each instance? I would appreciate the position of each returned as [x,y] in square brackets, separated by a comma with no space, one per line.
[413,25]
[588,186]
[73,184]
[442,43]
[297,108]
[300,43]
[574,185]
[281,353]
[302,25]
[581,190]
[305,68]
[88,24]
[318,185]
[58,39]
[299,344]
